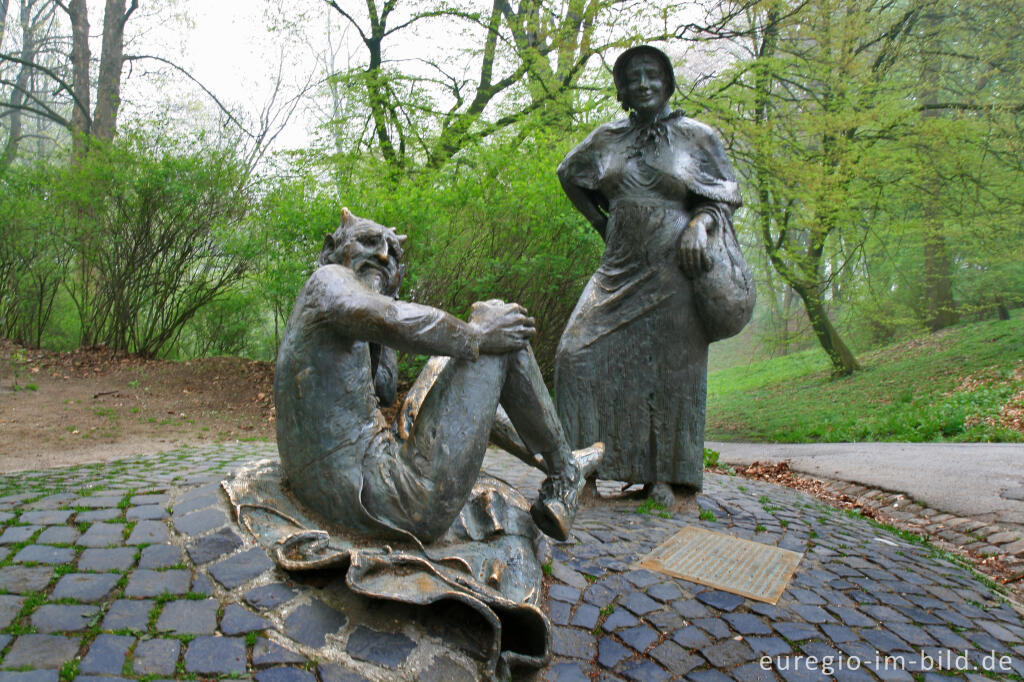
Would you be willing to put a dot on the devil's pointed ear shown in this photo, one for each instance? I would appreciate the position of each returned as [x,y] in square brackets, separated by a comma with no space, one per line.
[402,238]
[346,217]
[328,249]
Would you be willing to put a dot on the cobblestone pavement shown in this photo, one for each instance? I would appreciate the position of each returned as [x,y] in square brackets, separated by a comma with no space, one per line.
[135,570]
[966,495]
[996,549]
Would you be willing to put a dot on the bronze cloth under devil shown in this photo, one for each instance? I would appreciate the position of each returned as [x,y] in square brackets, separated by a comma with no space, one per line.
[631,367]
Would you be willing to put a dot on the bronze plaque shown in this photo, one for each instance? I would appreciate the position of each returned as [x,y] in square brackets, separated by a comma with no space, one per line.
[726,563]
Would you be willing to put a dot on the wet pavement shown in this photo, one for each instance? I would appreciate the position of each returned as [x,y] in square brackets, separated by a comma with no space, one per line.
[965,496]
[135,570]
[984,481]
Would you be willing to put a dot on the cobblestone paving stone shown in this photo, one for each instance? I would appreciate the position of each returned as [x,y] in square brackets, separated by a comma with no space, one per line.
[986,536]
[135,570]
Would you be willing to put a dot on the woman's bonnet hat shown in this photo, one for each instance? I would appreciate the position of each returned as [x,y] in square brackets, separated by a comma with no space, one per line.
[619,68]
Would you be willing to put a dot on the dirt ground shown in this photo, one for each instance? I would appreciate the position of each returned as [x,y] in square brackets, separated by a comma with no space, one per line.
[92,405]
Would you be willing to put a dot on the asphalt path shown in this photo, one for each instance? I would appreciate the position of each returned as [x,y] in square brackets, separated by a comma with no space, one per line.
[980,480]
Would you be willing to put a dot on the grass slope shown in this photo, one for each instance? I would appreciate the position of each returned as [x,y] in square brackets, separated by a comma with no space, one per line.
[965,383]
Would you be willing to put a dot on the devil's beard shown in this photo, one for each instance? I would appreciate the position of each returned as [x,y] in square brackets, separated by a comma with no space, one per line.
[377,279]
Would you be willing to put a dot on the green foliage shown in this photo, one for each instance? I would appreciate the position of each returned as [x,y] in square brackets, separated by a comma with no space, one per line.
[289,228]
[139,235]
[948,386]
[649,506]
[33,261]
[231,324]
[17,364]
[881,165]
[857,195]
[157,229]
[711,458]
[492,224]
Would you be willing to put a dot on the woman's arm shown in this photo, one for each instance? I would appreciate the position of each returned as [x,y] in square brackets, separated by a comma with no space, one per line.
[588,202]
[580,175]
[700,235]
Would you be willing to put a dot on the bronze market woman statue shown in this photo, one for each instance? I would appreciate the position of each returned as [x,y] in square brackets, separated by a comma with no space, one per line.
[631,367]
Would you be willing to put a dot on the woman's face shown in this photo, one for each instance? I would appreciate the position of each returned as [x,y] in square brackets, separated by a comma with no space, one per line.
[645,85]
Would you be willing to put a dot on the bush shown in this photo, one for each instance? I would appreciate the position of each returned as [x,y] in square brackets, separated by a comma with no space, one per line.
[493,223]
[33,261]
[289,227]
[157,230]
[136,236]
[231,324]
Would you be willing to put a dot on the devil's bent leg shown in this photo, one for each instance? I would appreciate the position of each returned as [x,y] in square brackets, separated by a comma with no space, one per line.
[525,398]
[422,488]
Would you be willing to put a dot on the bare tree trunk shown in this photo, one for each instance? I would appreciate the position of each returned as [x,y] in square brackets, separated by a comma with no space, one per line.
[108,89]
[1002,312]
[377,83]
[938,279]
[843,362]
[21,85]
[940,310]
[4,4]
[81,122]
[84,123]
[789,327]
[337,101]
[42,150]
[939,307]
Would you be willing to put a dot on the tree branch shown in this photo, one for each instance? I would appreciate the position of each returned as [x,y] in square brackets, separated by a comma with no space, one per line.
[128,13]
[183,71]
[348,16]
[426,15]
[62,84]
[966,106]
[43,111]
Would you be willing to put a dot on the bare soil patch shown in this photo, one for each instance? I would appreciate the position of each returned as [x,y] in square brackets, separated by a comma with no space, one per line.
[93,405]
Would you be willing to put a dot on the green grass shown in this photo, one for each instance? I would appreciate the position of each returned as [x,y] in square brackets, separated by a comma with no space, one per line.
[649,506]
[948,386]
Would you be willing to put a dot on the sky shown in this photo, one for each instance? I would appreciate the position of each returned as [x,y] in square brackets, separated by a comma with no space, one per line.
[231,48]
[223,46]
[226,46]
